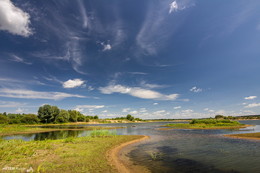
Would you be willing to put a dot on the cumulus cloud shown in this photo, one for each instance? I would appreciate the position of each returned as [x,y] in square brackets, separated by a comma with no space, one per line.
[252,105]
[177,107]
[106,47]
[28,94]
[13,19]
[250,97]
[126,110]
[195,89]
[73,83]
[137,92]
[173,7]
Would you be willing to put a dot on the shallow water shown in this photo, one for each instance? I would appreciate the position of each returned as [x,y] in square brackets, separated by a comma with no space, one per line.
[182,151]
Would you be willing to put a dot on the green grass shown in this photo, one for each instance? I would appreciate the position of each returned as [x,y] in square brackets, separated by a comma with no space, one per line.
[84,154]
[20,129]
[207,124]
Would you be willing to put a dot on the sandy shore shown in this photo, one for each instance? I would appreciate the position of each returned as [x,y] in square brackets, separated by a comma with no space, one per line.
[241,137]
[124,165]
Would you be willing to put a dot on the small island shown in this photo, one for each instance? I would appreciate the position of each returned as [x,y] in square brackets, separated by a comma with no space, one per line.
[207,124]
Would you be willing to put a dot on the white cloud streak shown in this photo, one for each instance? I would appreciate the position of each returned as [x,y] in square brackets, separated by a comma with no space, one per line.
[250,97]
[8,104]
[13,19]
[252,105]
[29,94]
[177,107]
[195,89]
[16,58]
[137,92]
[73,83]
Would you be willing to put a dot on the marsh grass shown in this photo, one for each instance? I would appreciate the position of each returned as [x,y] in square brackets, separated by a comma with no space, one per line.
[208,124]
[83,154]
[102,133]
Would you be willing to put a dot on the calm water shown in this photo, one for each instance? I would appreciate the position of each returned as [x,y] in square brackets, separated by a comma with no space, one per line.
[182,151]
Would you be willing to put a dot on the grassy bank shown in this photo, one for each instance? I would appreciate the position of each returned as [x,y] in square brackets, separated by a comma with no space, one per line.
[208,124]
[84,154]
[246,135]
[20,129]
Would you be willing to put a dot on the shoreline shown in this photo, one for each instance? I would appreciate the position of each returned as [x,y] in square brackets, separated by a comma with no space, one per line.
[121,165]
[206,128]
[242,136]
[54,130]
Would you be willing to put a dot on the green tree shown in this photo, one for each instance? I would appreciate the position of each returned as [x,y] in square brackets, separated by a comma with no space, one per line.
[130,117]
[73,115]
[48,113]
[219,116]
[30,119]
[63,117]
[95,117]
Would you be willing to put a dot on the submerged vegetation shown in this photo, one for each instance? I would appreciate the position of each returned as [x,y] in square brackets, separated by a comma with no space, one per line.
[83,154]
[208,124]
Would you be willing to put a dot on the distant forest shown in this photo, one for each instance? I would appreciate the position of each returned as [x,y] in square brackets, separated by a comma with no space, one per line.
[46,114]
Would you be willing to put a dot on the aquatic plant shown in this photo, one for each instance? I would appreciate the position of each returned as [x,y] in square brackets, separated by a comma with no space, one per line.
[102,133]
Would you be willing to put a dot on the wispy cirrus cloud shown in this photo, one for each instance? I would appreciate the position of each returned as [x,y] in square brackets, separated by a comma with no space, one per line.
[137,92]
[18,59]
[13,19]
[29,94]
[81,108]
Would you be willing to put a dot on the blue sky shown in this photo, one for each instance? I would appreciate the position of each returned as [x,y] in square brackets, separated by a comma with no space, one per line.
[150,58]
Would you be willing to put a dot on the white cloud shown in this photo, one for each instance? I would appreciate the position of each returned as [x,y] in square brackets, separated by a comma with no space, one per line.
[126,109]
[250,97]
[252,105]
[187,111]
[173,7]
[142,110]
[20,110]
[8,104]
[83,12]
[106,47]
[90,106]
[155,103]
[73,83]
[13,19]
[134,112]
[177,107]
[195,89]
[105,111]
[151,86]
[137,92]
[160,112]
[28,94]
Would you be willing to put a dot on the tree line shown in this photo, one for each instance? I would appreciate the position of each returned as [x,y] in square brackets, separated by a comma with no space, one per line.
[46,114]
